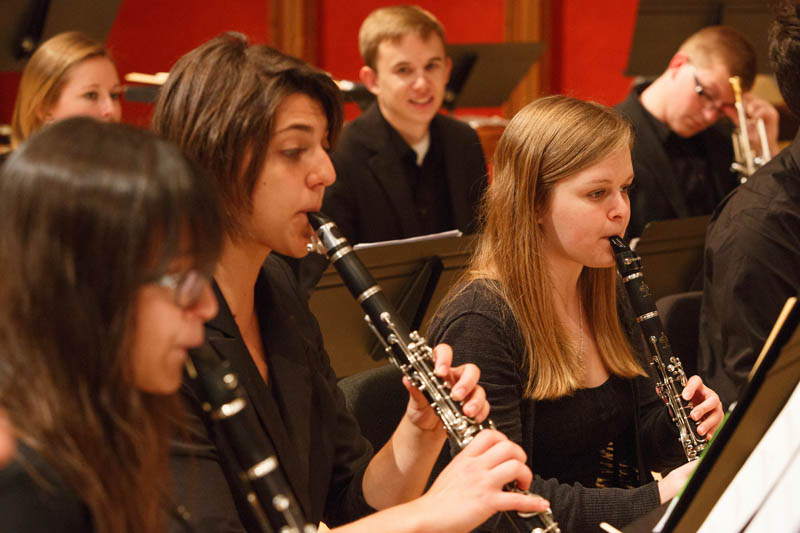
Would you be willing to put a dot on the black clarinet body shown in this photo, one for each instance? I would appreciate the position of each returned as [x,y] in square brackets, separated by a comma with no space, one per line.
[268,492]
[410,353]
[668,367]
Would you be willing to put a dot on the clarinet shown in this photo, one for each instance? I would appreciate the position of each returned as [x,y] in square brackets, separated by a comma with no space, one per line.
[268,492]
[409,352]
[671,377]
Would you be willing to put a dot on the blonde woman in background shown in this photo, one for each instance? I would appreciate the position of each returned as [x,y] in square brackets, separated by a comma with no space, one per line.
[70,74]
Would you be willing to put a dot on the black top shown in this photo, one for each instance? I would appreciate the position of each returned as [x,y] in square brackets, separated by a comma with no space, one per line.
[598,415]
[28,506]
[429,190]
[373,198]
[302,412]
[752,254]
[675,177]
[564,438]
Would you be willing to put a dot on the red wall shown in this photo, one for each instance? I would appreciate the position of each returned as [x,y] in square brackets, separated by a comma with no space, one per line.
[150,35]
[594,40]
[589,48]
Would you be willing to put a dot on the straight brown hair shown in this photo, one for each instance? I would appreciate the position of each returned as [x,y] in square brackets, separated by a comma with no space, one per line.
[218,106]
[548,140]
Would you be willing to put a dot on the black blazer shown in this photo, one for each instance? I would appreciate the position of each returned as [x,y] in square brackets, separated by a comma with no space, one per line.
[28,506]
[656,195]
[371,199]
[302,412]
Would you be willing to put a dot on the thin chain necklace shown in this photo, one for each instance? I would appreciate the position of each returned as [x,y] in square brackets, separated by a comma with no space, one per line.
[580,321]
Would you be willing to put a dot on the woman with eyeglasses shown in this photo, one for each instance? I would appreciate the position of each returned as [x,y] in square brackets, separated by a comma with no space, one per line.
[108,237]
[261,124]
[539,312]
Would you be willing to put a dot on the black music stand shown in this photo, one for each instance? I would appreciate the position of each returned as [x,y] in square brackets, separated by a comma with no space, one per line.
[37,20]
[484,74]
[662,25]
[415,276]
[774,377]
[672,254]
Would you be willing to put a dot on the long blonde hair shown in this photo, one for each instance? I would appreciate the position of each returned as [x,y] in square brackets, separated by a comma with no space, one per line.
[548,140]
[44,77]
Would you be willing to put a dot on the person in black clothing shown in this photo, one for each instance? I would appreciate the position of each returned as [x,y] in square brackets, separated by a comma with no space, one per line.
[403,169]
[108,236]
[753,244]
[537,310]
[261,124]
[682,153]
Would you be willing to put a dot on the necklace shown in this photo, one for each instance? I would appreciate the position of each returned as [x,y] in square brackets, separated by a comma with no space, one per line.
[580,335]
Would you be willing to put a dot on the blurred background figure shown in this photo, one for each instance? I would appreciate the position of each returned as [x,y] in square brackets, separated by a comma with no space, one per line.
[69,75]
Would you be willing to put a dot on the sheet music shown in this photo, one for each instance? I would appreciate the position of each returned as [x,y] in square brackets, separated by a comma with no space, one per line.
[780,511]
[421,238]
[760,482]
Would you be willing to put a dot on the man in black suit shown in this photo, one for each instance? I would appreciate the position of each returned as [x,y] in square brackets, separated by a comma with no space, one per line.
[403,169]
[682,152]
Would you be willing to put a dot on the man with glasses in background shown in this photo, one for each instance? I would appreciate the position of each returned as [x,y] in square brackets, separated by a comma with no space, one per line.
[682,151]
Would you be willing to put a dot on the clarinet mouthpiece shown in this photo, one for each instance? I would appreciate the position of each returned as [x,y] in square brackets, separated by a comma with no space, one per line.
[317,219]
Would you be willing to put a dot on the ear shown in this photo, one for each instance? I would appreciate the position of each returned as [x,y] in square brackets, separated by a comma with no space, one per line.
[448,66]
[678,60]
[43,116]
[369,78]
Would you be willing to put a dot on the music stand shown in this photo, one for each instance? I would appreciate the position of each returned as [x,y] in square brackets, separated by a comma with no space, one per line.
[415,277]
[663,25]
[484,74]
[672,254]
[54,16]
[772,380]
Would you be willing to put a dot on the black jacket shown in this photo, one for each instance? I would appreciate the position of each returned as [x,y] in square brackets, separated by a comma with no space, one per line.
[371,199]
[656,194]
[302,412]
[752,254]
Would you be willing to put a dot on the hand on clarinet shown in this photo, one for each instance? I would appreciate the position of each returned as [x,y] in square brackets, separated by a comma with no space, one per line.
[464,382]
[470,490]
[707,411]
[706,406]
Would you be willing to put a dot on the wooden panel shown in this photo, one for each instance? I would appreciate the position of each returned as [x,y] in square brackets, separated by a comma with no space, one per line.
[294,25]
[527,20]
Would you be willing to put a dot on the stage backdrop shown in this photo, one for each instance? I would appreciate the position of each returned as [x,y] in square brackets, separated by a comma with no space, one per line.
[588,51]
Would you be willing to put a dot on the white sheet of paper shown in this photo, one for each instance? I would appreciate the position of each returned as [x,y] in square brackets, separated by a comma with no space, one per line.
[421,238]
[760,476]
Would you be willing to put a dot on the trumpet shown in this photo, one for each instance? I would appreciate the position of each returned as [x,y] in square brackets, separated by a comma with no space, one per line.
[745,161]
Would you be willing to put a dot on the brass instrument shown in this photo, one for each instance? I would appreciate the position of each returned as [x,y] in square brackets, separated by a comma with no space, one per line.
[745,161]
[671,377]
[410,353]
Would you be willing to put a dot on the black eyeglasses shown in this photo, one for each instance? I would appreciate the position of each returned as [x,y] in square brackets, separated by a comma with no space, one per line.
[187,286]
[709,102]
